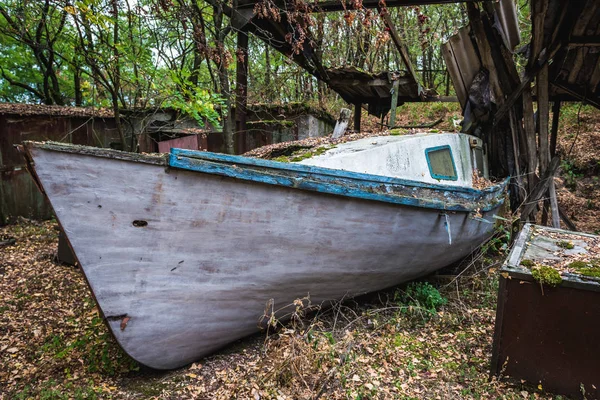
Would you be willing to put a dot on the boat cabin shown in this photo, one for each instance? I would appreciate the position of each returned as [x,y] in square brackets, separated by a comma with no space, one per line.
[441,158]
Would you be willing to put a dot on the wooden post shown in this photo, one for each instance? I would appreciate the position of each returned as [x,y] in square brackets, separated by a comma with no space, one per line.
[554,131]
[544,116]
[395,90]
[540,189]
[514,129]
[357,115]
[241,90]
[529,126]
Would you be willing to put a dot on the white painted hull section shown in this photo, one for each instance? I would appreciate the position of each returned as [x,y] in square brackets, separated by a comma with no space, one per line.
[217,249]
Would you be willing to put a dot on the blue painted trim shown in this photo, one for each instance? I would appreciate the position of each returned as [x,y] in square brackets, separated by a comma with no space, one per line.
[438,176]
[293,167]
[343,183]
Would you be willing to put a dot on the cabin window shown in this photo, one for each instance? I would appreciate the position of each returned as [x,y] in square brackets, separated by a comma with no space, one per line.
[441,164]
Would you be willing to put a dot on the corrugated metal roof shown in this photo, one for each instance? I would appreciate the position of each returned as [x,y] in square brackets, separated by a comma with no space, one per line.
[461,57]
[462,62]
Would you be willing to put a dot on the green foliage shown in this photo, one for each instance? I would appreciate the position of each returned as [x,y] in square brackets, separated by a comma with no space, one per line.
[570,173]
[422,295]
[196,102]
[546,275]
[499,243]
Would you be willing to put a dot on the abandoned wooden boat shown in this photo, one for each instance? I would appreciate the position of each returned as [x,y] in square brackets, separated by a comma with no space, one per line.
[184,251]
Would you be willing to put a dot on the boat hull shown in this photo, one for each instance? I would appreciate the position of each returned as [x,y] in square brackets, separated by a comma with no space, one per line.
[182,263]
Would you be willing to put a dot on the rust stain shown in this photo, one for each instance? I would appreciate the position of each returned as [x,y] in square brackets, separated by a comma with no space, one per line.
[124,322]
[157,194]
[198,223]
[211,269]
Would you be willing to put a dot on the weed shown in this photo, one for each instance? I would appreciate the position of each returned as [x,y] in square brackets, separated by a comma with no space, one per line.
[422,295]
[570,173]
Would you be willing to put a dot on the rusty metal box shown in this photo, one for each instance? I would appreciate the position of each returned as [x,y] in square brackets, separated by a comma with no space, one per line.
[549,336]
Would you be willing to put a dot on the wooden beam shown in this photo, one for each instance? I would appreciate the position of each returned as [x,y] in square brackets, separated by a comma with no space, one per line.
[554,205]
[526,82]
[540,189]
[544,116]
[584,41]
[554,129]
[529,129]
[385,16]
[514,129]
[575,93]
[563,215]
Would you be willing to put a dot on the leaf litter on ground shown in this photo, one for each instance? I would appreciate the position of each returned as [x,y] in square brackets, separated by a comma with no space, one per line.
[54,345]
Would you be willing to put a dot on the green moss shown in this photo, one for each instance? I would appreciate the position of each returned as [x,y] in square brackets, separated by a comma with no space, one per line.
[565,244]
[303,155]
[278,122]
[546,275]
[527,263]
[578,265]
[588,268]
[281,159]
[593,272]
[397,131]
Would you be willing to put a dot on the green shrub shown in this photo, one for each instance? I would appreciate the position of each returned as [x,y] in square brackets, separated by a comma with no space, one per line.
[423,295]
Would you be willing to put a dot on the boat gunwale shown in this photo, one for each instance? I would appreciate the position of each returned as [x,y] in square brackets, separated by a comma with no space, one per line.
[294,167]
[323,180]
[146,158]
[348,184]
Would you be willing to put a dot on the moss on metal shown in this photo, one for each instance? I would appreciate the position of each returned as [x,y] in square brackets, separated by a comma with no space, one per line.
[565,244]
[587,268]
[546,275]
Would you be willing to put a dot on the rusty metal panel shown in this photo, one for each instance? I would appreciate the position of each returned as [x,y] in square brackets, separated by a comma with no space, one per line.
[18,194]
[550,336]
[184,142]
